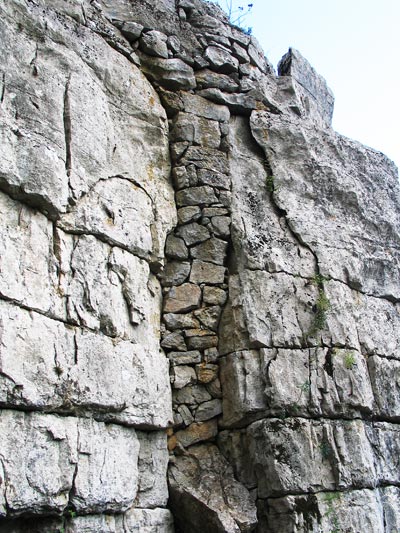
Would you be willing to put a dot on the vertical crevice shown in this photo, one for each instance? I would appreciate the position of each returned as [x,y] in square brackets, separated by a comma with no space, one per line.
[67,128]
[2,87]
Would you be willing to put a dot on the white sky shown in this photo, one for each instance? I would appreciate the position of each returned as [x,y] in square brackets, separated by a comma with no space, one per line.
[355,45]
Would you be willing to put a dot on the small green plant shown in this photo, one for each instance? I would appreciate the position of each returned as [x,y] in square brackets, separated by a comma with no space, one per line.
[329,498]
[349,360]
[72,514]
[305,387]
[58,370]
[325,449]
[270,181]
[322,306]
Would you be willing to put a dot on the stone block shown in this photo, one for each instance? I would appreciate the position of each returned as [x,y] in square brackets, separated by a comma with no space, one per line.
[175,273]
[215,501]
[176,248]
[214,179]
[182,299]
[197,432]
[188,214]
[193,233]
[196,105]
[173,74]
[212,250]
[196,196]
[209,317]
[206,158]
[185,358]
[214,296]
[180,321]
[203,272]
[154,43]
[174,341]
[64,454]
[152,468]
[183,376]
[221,59]
[208,410]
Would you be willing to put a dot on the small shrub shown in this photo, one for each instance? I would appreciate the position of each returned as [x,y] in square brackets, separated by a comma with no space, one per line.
[237,14]
[322,306]
[270,183]
[349,360]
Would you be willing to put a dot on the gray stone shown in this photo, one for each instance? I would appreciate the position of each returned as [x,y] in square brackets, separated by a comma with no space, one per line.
[197,432]
[207,273]
[152,466]
[207,79]
[193,233]
[207,158]
[214,211]
[154,43]
[385,379]
[174,43]
[371,270]
[174,341]
[221,226]
[131,30]
[197,130]
[191,395]
[176,248]
[215,179]
[305,80]
[195,196]
[175,273]
[221,59]
[242,385]
[214,296]
[326,511]
[188,214]
[208,410]
[183,376]
[213,250]
[256,55]
[240,53]
[197,105]
[173,321]
[48,366]
[209,316]
[76,446]
[172,74]
[148,520]
[184,177]
[184,358]
[214,388]
[182,299]
[225,198]
[202,342]
[186,415]
[201,506]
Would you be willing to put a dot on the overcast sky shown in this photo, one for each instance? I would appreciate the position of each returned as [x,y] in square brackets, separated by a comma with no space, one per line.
[355,45]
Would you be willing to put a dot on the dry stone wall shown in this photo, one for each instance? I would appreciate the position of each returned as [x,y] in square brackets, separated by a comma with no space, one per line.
[177,216]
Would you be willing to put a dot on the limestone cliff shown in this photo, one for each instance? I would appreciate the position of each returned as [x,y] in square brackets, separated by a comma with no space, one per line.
[195,271]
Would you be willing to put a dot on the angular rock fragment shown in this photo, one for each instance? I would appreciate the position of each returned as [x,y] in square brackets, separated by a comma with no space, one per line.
[203,272]
[154,43]
[182,299]
[216,502]
[221,59]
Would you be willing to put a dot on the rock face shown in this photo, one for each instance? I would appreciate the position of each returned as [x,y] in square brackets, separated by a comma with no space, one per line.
[194,268]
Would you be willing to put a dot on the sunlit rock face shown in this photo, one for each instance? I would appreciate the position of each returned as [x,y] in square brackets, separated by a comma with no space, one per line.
[195,271]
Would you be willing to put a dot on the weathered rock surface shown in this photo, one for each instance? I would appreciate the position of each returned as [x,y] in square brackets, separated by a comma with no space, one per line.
[201,478]
[161,189]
